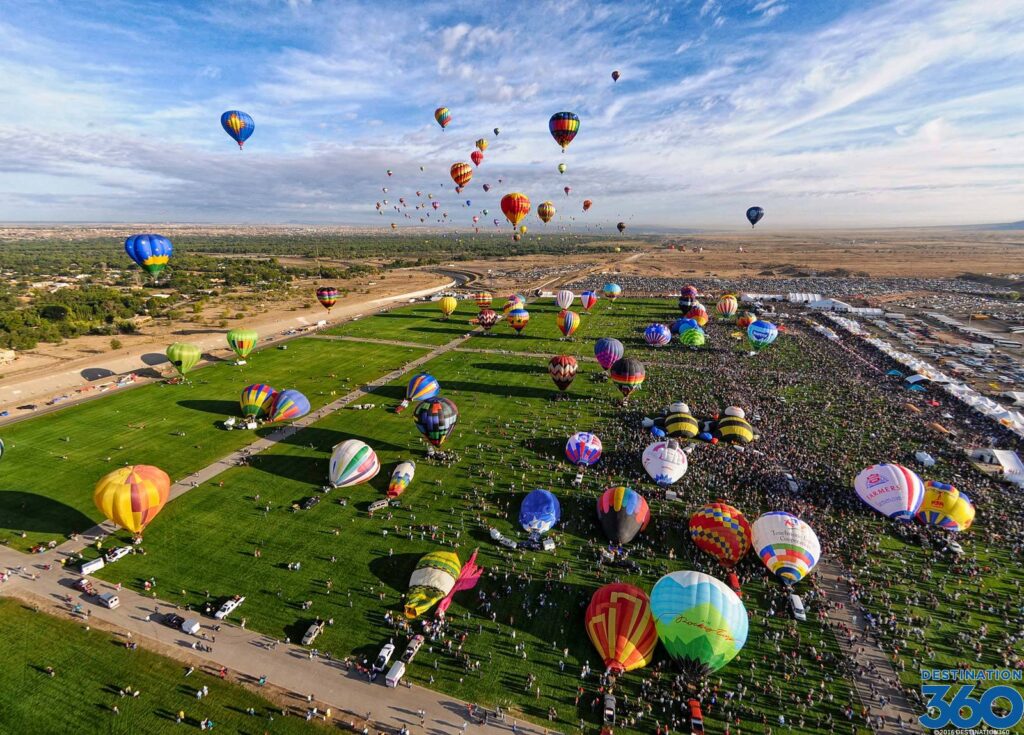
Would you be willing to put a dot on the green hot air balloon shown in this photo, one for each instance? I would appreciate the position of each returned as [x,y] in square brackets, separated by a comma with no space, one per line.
[184,356]
[242,341]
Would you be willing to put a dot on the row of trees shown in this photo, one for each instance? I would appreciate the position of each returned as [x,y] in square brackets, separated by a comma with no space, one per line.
[68,312]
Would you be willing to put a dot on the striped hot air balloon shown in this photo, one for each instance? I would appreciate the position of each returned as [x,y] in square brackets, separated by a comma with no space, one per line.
[727,305]
[693,337]
[256,399]
[945,507]
[563,127]
[443,116]
[620,625]
[434,577]
[562,369]
[657,335]
[353,462]
[891,489]
[461,173]
[564,298]
[680,423]
[733,427]
[483,299]
[546,211]
[242,341]
[518,319]
[568,322]
[401,478]
[786,545]
[327,296]
[722,531]
[588,299]
[628,375]
[132,496]
[583,448]
[487,319]
[608,350]
[612,291]
[436,418]
[287,405]
[622,513]
[515,206]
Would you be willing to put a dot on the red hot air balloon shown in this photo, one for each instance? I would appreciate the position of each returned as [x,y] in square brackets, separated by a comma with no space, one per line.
[515,206]
[567,190]
[476,157]
[461,173]
[562,369]
[621,627]
[587,204]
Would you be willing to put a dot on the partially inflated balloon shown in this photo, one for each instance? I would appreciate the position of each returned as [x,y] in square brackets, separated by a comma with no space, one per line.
[401,478]
[353,462]
[722,531]
[891,489]
[436,418]
[562,369]
[150,252]
[945,507]
[421,387]
[568,322]
[608,350]
[238,125]
[786,545]
[583,448]
[540,511]
[515,206]
[693,337]
[745,319]
[243,341]
[563,127]
[132,496]
[288,405]
[184,356]
[443,116]
[628,375]
[665,462]
[621,627]
[698,313]
[754,215]
[622,513]
[546,211]
[256,399]
[436,574]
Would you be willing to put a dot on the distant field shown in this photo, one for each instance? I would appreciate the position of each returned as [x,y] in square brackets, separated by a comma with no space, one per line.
[53,461]
[91,667]
[420,323]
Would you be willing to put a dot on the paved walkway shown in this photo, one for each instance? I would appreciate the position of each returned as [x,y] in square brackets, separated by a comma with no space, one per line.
[864,651]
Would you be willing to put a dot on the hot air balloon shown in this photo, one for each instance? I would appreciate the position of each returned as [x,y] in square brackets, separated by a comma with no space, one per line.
[727,305]
[518,319]
[3,448]
[657,335]
[567,190]
[443,116]
[497,131]
[540,511]
[693,337]
[760,334]
[615,75]
[401,478]
[421,387]
[588,299]
[563,127]
[628,375]
[587,204]
[394,226]
[745,319]
[436,418]
[754,215]
[476,157]
[621,227]
[522,229]
[515,206]
[622,513]
[132,496]
[665,462]
[786,545]
[150,252]
[700,621]
[562,369]
[679,422]
[486,187]
[621,627]
[184,356]
[564,298]
[461,173]
[487,318]
[568,322]
[611,291]
[238,125]
[242,341]
[481,144]
[722,531]
[688,298]
[583,448]
[287,405]
[945,507]
[608,350]
[353,462]
[733,427]
[546,211]
[447,305]
[483,299]
[435,205]
[891,489]
[434,577]
[698,313]
[256,399]
[562,168]
[327,296]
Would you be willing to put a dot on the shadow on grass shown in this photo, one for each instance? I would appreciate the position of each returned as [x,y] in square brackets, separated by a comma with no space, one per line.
[516,391]
[394,571]
[325,439]
[505,367]
[390,392]
[22,511]
[302,469]
[218,407]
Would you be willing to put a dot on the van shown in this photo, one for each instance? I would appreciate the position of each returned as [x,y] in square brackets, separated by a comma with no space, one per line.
[312,632]
[395,674]
[798,607]
[109,600]
[88,567]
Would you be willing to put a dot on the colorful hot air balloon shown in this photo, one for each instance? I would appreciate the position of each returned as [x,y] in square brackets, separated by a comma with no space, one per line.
[754,215]
[447,305]
[679,422]
[238,125]
[760,334]
[461,173]
[727,305]
[608,350]
[657,335]
[150,252]
[421,387]
[891,489]
[481,144]
[665,462]
[568,322]
[562,369]
[256,399]
[693,337]
[483,299]
[722,531]
[563,127]
[476,157]
[611,291]
[622,513]
[628,375]
[540,511]
[327,296]
[564,298]
[184,356]
[514,301]
[587,204]
[518,319]
[242,341]
[487,318]
[353,462]
[287,405]
[786,545]
[588,299]
[443,116]
[745,319]
[621,627]
[945,507]
[401,478]
[583,448]
[434,577]
[733,427]
[621,227]
[546,211]
[700,621]
[515,206]
[562,168]
[132,496]
[436,418]
[688,298]
[698,313]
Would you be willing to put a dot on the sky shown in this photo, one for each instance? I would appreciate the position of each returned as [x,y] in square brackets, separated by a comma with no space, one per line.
[825,113]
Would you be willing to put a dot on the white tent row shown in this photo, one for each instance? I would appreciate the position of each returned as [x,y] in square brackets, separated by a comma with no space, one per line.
[828,333]
[850,325]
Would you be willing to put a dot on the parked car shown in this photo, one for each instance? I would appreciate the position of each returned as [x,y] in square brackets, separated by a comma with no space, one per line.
[119,553]
[696,718]
[310,502]
[312,632]
[172,621]
[382,660]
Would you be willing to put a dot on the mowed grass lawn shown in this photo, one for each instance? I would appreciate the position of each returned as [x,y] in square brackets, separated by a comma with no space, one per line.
[52,462]
[421,323]
[90,669]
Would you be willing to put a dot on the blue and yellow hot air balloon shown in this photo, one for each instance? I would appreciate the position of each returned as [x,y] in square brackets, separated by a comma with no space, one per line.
[238,125]
[152,253]
[945,507]
[256,399]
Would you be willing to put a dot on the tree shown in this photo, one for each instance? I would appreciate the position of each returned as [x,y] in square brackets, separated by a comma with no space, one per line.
[115,344]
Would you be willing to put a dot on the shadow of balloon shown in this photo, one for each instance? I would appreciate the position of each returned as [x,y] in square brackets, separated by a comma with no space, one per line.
[155,358]
[312,470]
[395,570]
[505,367]
[32,513]
[92,374]
[218,407]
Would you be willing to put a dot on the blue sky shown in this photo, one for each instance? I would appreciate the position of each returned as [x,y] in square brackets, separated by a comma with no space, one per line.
[825,113]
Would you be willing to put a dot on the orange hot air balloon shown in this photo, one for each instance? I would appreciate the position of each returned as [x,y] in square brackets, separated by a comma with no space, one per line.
[587,204]
[621,627]
[546,211]
[132,496]
[461,173]
[515,206]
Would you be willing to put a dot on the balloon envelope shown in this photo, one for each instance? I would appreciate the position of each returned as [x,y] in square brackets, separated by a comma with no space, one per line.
[256,399]
[760,334]
[288,405]
[436,418]
[132,496]
[242,341]
[628,375]
[353,462]
[891,489]
[722,531]
[401,478]
[620,625]
[539,512]
[786,545]
[583,448]
[588,299]
[657,335]
[608,351]
[622,513]
[563,127]
[238,125]
[150,252]
[665,462]
[568,322]
[754,215]
[184,356]
[564,298]
[421,387]
[946,507]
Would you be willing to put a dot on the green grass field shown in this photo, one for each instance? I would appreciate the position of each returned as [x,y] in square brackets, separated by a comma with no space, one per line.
[421,323]
[52,462]
[91,667]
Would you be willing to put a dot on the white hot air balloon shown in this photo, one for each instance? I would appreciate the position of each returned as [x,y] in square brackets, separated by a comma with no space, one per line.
[665,462]
[786,545]
[891,489]
[353,462]
[564,298]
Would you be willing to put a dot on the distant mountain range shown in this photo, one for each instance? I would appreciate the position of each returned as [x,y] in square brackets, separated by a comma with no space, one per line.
[1002,226]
